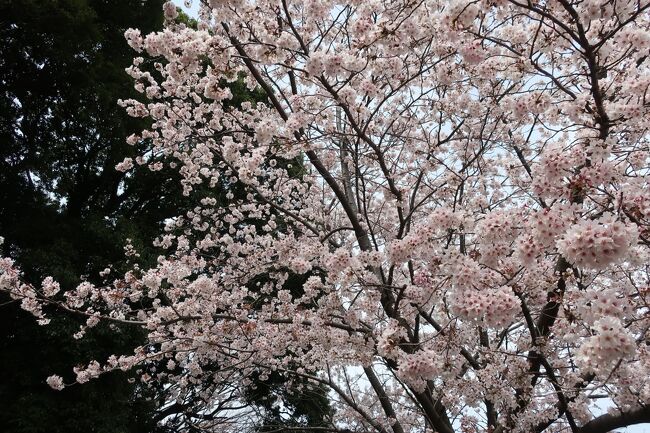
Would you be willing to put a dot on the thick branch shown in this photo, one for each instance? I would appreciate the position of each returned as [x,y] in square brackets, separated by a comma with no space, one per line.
[607,422]
[383,399]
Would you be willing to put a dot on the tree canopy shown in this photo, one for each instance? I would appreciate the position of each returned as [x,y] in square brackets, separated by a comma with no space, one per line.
[438,211]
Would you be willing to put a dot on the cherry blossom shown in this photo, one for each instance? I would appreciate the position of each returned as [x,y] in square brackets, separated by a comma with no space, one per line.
[437,210]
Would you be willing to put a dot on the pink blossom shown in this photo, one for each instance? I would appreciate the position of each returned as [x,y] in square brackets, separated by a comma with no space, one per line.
[55,382]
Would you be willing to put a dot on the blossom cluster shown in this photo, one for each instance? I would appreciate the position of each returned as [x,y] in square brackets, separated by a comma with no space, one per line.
[611,343]
[416,368]
[493,308]
[597,244]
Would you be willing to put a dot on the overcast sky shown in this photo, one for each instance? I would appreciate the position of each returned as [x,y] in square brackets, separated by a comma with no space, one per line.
[193,11]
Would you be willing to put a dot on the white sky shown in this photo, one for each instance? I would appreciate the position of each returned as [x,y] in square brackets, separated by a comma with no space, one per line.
[192,11]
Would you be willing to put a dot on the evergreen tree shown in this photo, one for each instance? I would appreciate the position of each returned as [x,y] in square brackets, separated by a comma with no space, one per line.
[65,210]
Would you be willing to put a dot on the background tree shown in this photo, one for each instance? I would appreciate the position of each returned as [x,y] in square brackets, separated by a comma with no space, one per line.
[65,211]
[68,213]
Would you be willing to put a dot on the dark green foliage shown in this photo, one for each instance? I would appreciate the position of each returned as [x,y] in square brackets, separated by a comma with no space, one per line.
[110,404]
[65,211]
[300,404]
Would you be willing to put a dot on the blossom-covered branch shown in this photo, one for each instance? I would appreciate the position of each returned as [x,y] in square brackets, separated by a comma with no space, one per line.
[442,211]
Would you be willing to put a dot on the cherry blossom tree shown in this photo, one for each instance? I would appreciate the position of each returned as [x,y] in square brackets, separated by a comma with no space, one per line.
[460,188]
